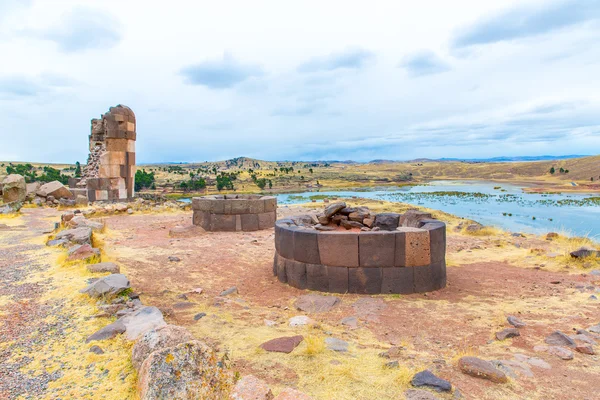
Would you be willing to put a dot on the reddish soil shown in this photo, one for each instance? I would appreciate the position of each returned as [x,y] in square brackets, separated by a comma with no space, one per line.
[438,326]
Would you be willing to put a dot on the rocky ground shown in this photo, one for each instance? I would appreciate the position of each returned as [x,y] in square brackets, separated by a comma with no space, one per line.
[220,287]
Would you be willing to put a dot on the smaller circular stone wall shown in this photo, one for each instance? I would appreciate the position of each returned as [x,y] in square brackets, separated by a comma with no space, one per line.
[408,258]
[231,213]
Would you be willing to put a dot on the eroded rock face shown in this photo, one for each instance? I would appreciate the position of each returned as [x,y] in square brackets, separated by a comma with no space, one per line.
[14,188]
[157,339]
[111,285]
[189,370]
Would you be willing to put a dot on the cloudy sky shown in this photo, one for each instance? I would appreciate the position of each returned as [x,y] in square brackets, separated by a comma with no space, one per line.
[302,80]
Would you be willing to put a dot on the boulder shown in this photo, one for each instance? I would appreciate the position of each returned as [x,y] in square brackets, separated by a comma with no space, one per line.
[481,369]
[189,370]
[32,188]
[104,267]
[83,252]
[284,344]
[14,188]
[333,209]
[507,333]
[251,388]
[76,236]
[428,379]
[142,320]
[584,252]
[111,285]
[157,339]
[54,189]
[316,303]
[387,221]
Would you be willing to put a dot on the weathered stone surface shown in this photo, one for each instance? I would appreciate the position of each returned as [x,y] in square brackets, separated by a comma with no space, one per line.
[336,344]
[104,267]
[81,221]
[110,285]
[560,352]
[14,188]
[306,246]
[333,209]
[188,370]
[338,249]
[316,303]
[77,236]
[513,368]
[507,333]
[387,221]
[481,369]
[377,249]
[142,320]
[108,332]
[54,189]
[411,218]
[157,339]
[283,344]
[558,338]
[516,322]
[82,252]
[428,379]
[251,388]
[585,348]
[292,394]
[364,280]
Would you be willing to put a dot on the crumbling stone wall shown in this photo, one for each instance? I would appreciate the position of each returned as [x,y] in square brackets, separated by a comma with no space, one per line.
[110,170]
[234,212]
[408,259]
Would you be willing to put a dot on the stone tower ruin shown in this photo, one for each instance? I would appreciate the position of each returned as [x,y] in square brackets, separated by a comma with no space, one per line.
[110,171]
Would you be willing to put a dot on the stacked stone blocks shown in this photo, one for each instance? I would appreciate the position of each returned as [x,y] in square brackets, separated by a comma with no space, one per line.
[231,213]
[410,259]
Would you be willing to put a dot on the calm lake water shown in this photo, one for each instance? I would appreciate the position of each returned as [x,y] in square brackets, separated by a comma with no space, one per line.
[508,207]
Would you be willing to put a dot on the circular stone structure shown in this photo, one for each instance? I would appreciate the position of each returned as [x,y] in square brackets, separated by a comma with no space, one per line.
[409,257]
[237,212]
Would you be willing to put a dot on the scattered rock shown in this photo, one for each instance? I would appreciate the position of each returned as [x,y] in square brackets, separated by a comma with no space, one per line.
[560,352]
[392,364]
[268,322]
[300,320]
[108,332]
[387,221]
[82,252]
[334,208]
[585,349]
[229,291]
[507,333]
[104,267]
[336,344]
[283,344]
[81,235]
[81,221]
[316,303]
[595,329]
[557,338]
[96,349]
[428,379]
[189,370]
[111,285]
[323,228]
[157,339]
[199,316]
[481,369]
[351,322]
[512,368]
[251,388]
[174,259]
[584,252]
[392,352]
[142,320]
[516,322]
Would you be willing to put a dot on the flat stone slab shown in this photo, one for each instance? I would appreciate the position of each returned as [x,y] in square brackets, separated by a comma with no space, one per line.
[284,344]
[316,303]
[481,369]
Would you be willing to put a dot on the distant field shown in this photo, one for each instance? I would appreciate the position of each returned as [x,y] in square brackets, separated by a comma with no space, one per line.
[299,175]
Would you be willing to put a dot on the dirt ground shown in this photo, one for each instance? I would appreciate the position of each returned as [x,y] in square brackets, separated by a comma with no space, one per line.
[489,278]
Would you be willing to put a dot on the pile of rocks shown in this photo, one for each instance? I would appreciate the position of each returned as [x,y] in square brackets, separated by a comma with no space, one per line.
[16,191]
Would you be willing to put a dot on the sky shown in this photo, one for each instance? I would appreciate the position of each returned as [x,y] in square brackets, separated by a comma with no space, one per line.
[302,80]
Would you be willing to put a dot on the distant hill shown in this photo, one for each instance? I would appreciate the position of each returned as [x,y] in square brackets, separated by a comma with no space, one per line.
[518,158]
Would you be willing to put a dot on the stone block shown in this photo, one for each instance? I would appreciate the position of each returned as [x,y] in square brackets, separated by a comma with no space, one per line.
[295,272]
[266,220]
[377,249]
[338,279]
[130,126]
[222,222]
[119,117]
[306,246]
[286,243]
[113,194]
[397,280]
[130,158]
[270,203]
[101,195]
[412,247]
[424,279]
[438,270]
[339,249]
[238,222]
[249,222]
[238,206]
[437,240]
[109,170]
[281,274]
[122,193]
[255,206]
[200,204]
[411,218]
[201,218]
[217,206]
[317,278]
[119,145]
[364,280]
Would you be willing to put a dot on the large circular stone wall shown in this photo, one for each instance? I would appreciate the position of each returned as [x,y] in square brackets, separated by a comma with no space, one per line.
[230,213]
[409,259]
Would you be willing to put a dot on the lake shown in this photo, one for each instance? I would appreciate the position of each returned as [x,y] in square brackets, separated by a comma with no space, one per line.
[574,214]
